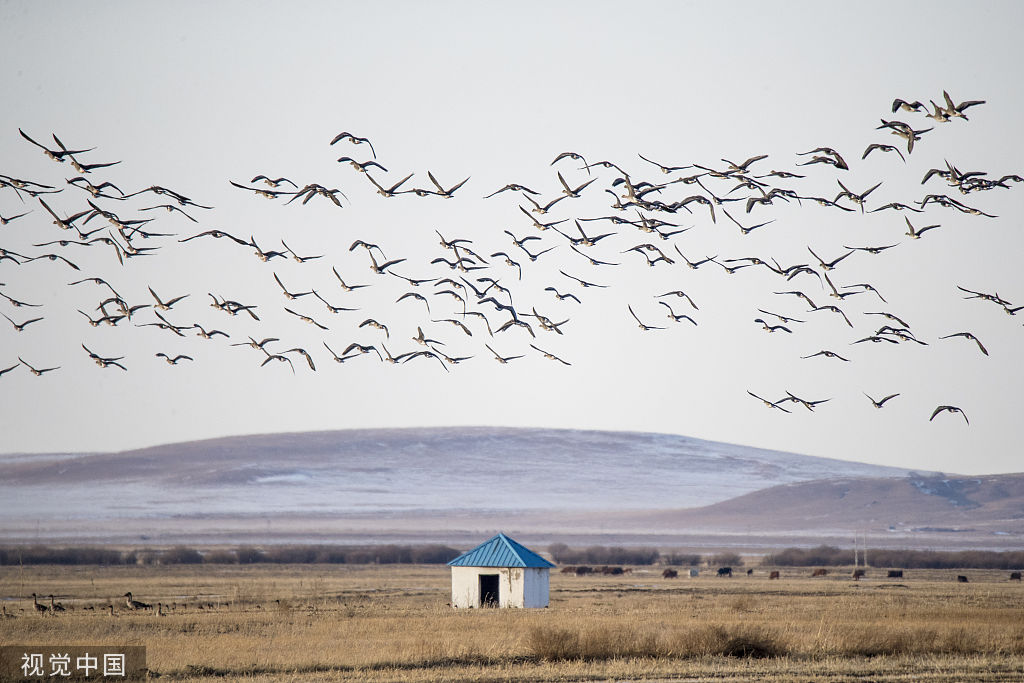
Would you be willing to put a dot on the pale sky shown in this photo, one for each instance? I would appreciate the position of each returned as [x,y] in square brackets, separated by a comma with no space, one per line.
[192,96]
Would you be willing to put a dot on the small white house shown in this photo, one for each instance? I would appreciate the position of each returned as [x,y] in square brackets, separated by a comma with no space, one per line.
[500,573]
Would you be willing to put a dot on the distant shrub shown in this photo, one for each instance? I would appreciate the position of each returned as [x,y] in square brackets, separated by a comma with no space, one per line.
[682,560]
[221,557]
[181,555]
[725,560]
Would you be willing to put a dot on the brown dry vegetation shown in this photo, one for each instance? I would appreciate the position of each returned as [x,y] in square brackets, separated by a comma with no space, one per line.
[392,623]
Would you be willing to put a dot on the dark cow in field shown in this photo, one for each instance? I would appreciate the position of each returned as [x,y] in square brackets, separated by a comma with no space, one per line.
[569,570]
[895,573]
[725,571]
[669,574]
[774,575]
[1014,576]
[961,579]
[583,571]
[858,574]
[612,571]
[750,572]
[820,572]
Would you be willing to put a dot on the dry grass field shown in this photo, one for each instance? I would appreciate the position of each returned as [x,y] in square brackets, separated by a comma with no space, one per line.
[393,623]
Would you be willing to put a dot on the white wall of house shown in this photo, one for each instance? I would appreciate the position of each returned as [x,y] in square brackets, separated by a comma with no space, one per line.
[517,587]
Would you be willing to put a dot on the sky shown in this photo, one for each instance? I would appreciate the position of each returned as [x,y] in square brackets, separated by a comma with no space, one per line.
[207,93]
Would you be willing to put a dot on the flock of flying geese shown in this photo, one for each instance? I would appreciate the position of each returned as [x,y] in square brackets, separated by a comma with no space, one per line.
[473,289]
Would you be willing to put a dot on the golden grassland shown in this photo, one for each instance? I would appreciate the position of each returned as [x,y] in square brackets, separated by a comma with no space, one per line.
[393,623]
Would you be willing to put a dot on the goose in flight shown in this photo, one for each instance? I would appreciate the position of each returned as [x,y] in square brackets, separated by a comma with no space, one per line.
[583,283]
[772,328]
[537,208]
[373,323]
[391,191]
[967,335]
[833,309]
[355,141]
[593,261]
[767,403]
[20,327]
[563,297]
[300,259]
[831,157]
[666,169]
[827,354]
[8,219]
[441,192]
[165,305]
[510,262]
[104,362]
[571,155]
[281,358]
[643,326]
[515,187]
[549,355]
[829,265]
[273,182]
[881,402]
[379,269]
[498,357]
[682,295]
[55,154]
[173,361]
[906,106]
[872,250]
[957,110]
[304,354]
[949,409]
[694,265]
[571,192]
[287,294]
[915,233]
[344,286]
[38,372]
[208,335]
[217,234]
[784,319]
[361,167]
[306,318]
[810,405]
[677,317]
[262,191]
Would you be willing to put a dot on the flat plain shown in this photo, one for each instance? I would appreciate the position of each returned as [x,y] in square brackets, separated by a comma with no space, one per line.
[393,623]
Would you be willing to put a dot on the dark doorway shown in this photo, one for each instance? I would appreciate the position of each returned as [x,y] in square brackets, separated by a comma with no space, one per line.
[488,590]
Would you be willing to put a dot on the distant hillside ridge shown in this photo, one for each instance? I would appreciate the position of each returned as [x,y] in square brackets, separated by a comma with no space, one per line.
[914,503]
[395,471]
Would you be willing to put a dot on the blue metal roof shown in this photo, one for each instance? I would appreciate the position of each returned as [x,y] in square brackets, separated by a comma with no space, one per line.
[500,551]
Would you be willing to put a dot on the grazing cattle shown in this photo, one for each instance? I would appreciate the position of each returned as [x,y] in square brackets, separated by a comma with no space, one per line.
[961,579]
[568,570]
[820,572]
[1014,576]
[669,574]
[750,572]
[773,575]
[859,573]
[612,571]
[725,571]
[895,573]
[583,571]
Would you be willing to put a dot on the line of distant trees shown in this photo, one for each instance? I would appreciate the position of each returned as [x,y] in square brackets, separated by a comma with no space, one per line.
[284,554]
[605,555]
[830,556]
